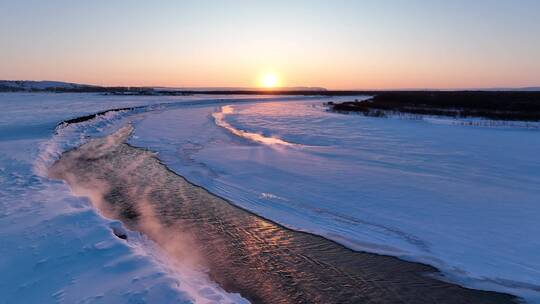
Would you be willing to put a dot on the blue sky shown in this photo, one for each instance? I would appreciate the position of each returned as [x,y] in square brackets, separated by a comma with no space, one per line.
[334,44]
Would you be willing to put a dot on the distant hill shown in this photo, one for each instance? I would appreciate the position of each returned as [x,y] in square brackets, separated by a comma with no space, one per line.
[32,86]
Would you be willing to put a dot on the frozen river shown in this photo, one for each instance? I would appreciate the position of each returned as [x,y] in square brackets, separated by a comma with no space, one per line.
[464,199]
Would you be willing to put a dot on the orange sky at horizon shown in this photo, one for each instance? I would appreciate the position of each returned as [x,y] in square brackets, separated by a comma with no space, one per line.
[335,45]
[333,77]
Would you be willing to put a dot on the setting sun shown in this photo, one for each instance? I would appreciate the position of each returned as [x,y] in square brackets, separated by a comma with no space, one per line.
[269,81]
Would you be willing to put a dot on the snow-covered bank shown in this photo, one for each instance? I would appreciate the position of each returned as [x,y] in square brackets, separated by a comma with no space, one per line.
[264,262]
[461,198]
[55,248]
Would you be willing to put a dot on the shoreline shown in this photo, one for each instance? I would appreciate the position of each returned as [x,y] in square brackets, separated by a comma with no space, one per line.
[496,106]
[388,278]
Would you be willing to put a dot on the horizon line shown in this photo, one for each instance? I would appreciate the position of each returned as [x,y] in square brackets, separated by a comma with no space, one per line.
[281,88]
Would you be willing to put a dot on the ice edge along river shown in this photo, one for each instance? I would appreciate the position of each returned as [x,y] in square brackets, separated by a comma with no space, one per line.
[55,247]
[461,198]
[189,142]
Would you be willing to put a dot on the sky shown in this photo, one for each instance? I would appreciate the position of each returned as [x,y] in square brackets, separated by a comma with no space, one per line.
[333,44]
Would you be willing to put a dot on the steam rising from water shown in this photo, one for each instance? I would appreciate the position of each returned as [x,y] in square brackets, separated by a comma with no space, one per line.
[116,199]
[73,134]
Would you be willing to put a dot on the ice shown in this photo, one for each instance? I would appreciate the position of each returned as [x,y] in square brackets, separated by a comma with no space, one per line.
[461,198]
[55,248]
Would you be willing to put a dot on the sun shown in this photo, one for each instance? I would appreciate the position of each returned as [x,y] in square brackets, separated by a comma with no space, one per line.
[269,80]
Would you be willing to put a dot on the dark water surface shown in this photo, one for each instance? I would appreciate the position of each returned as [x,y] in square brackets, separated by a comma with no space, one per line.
[244,253]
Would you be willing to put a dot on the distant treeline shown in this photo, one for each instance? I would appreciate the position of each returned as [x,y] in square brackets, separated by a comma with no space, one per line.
[505,105]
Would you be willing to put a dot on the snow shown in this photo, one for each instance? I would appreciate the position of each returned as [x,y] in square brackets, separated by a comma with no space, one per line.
[40,85]
[461,198]
[55,248]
